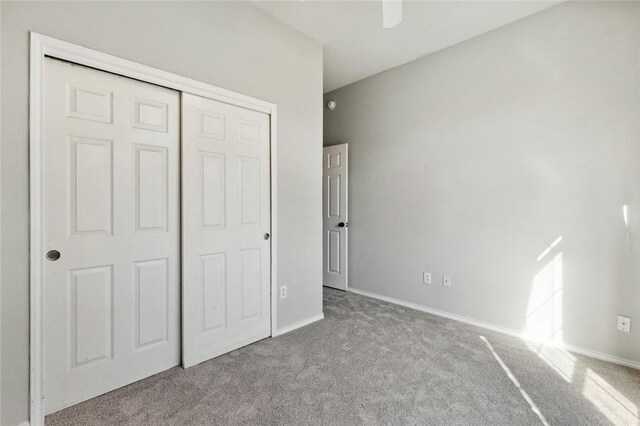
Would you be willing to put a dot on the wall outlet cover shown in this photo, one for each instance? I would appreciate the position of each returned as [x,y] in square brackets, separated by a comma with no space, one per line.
[624,323]
[283,292]
[446,281]
[426,277]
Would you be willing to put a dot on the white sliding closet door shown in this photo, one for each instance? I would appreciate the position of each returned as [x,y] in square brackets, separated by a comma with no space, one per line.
[111,232]
[226,221]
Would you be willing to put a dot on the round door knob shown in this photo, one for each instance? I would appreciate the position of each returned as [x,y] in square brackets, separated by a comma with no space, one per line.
[343,225]
[53,255]
[266,236]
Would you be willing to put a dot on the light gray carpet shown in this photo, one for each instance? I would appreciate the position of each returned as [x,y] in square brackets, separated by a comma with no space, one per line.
[370,362]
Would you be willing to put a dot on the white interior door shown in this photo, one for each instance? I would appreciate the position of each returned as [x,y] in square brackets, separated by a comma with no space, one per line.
[111,211]
[335,215]
[226,220]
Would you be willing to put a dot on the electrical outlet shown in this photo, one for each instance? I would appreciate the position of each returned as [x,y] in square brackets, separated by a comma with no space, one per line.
[283,292]
[426,277]
[446,281]
[624,323]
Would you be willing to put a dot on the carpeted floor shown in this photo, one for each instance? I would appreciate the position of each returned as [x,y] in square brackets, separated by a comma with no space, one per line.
[370,362]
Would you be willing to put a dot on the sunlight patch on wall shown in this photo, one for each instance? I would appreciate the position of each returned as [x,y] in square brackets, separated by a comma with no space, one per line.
[544,321]
[627,227]
[546,251]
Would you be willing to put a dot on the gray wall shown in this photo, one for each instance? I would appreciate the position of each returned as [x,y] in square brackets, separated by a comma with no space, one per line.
[472,161]
[230,45]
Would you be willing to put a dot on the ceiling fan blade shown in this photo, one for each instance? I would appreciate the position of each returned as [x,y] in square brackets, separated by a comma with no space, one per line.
[391,13]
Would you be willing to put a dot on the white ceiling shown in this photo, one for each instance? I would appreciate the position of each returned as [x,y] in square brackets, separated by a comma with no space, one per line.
[356,46]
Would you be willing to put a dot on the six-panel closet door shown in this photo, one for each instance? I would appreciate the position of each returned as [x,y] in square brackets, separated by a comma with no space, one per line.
[111,232]
[226,250]
[114,273]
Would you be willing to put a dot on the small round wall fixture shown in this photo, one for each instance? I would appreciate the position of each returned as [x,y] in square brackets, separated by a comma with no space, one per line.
[331,104]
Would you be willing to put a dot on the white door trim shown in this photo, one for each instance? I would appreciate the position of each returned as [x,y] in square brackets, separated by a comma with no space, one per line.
[42,46]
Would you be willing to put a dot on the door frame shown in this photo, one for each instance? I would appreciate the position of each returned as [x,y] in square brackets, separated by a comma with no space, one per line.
[43,46]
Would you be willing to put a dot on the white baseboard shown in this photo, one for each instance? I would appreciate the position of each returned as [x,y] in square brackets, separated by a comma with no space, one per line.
[500,329]
[290,328]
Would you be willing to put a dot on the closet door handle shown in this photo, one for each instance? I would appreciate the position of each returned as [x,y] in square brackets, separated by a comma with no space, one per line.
[53,255]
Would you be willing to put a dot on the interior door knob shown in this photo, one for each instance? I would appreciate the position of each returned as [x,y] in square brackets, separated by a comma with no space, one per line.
[266,236]
[53,255]
[343,224]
